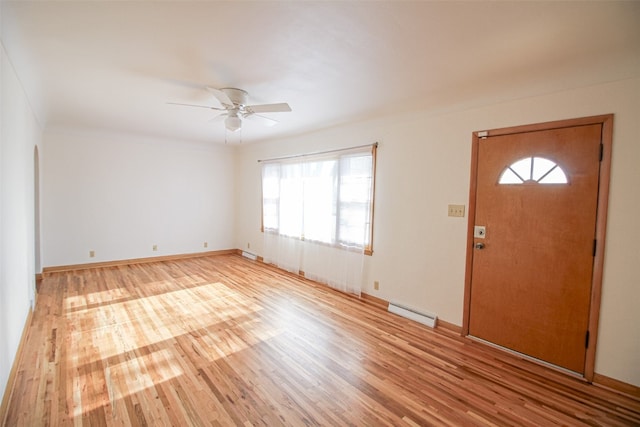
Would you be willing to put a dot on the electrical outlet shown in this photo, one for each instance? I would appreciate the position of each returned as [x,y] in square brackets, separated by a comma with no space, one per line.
[456,210]
[92,254]
[376,285]
[155,247]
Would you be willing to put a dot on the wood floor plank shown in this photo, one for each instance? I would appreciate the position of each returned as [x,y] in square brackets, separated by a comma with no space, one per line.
[225,341]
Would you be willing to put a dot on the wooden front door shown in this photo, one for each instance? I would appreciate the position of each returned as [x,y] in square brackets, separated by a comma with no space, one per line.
[531,259]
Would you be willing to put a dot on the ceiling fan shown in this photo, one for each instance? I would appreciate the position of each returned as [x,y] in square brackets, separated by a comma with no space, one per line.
[234,106]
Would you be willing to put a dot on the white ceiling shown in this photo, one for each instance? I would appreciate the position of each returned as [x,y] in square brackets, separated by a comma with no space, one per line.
[115,64]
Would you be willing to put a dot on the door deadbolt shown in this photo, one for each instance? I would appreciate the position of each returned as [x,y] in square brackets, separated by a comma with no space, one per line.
[479,231]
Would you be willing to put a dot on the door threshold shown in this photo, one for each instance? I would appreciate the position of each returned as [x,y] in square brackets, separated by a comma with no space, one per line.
[524,356]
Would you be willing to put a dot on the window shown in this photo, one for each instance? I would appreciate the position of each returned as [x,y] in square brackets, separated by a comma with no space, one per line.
[324,198]
[533,170]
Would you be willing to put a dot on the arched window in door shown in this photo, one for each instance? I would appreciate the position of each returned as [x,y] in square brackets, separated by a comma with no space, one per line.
[532,170]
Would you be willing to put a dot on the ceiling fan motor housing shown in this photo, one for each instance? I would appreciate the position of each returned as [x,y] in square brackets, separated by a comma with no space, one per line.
[237,96]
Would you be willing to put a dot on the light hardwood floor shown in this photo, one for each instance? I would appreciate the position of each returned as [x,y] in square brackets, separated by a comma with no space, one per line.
[227,341]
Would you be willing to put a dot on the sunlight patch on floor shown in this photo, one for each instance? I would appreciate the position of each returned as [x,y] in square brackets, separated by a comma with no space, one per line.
[113,345]
[114,328]
[132,376]
[82,301]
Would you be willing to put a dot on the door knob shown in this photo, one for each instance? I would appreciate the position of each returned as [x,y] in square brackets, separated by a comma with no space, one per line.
[479,245]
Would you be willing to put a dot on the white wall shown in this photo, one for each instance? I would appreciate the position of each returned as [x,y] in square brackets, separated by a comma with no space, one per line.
[19,134]
[424,165]
[120,194]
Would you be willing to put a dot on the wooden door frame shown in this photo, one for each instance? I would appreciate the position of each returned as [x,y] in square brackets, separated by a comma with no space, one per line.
[601,219]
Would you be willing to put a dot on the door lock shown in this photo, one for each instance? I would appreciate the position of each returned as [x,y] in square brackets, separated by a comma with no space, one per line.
[479,245]
[479,231]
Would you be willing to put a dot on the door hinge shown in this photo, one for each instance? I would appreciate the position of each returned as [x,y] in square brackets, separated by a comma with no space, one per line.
[586,340]
[601,151]
[595,245]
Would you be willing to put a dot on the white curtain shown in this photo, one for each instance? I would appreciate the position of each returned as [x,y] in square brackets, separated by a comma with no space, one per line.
[316,216]
[282,204]
[341,269]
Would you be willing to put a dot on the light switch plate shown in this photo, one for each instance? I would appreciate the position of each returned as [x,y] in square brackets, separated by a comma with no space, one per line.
[456,210]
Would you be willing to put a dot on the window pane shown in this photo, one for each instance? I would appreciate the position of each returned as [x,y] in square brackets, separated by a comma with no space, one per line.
[509,177]
[270,195]
[291,200]
[355,199]
[540,167]
[319,201]
[271,187]
[523,168]
[270,213]
[353,224]
[556,176]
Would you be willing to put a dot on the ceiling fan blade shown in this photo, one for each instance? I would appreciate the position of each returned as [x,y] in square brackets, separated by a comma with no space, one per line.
[282,107]
[218,118]
[262,119]
[221,96]
[194,105]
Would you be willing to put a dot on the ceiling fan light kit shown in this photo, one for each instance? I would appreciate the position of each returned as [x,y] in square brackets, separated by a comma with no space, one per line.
[233,122]
[234,105]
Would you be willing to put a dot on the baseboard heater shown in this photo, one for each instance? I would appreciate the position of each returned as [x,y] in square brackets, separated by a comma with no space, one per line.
[249,255]
[424,318]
